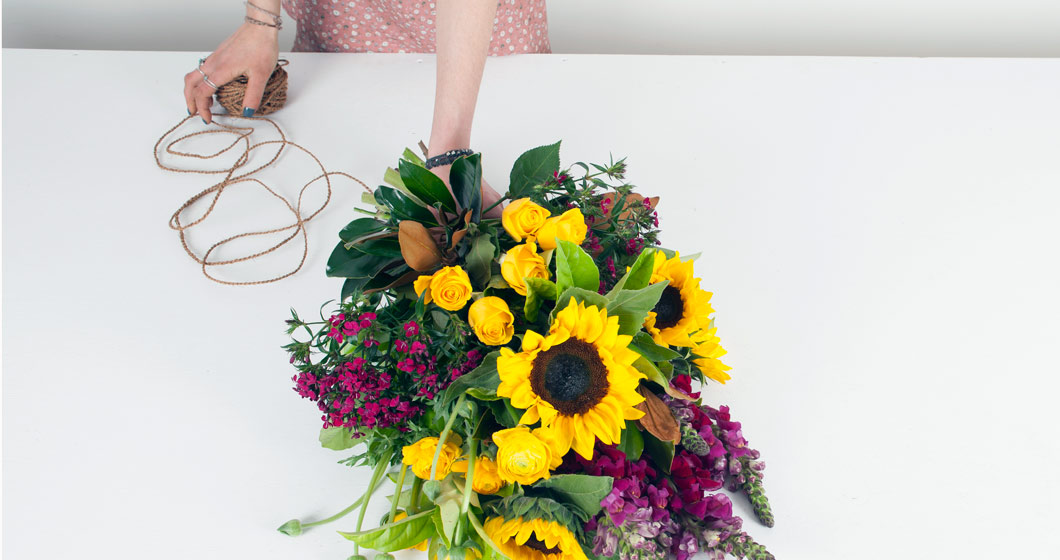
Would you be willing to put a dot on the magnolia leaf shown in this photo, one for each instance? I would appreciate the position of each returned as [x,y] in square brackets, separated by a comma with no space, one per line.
[354,263]
[402,207]
[405,533]
[534,167]
[661,452]
[417,246]
[465,176]
[426,186]
[658,419]
[575,268]
[582,490]
[632,306]
[359,228]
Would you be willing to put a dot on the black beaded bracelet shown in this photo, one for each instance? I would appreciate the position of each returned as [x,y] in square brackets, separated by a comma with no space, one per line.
[447,158]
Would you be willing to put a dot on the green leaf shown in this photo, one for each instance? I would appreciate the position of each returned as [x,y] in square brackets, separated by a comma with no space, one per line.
[644,345]
[483,377]
[383,246]
[632,443]
[479,259]
[360,228]
[638,276]
[412,157]
[465,176]
[538,290]
[404,208]
[581,490]
[352,286]
[632,306]
[353,263]
[653,373]
[426,186]
[449,502]
[485,538]
[505,414]
[580,296]
[292,528]
[661,452]
[534,167]
[575,268]
[337,438]
[393,178]
[399,535]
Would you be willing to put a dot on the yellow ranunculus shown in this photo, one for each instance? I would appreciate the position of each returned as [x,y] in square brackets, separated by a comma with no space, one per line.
[522,218]
[423,283]
[523,456]
[420,455]
[486,480]
[451,288]
[423,545]
[570,226]
[520,262]
[492,321]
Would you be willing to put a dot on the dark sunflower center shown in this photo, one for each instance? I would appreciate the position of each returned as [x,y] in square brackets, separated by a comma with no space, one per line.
[536,544]
[669,309]
[570,376]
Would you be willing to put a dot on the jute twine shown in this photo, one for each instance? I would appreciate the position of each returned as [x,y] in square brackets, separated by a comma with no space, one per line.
[242,134]
[230,95]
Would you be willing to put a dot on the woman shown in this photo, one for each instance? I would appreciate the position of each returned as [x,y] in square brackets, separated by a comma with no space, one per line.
[462,32]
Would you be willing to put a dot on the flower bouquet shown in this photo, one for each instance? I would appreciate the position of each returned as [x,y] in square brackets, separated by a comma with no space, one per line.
[525,381]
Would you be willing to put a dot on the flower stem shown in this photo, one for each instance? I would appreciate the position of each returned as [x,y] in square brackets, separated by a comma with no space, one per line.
[472,451]
[494,205]
[414,498]
[444,436]
[337,516]
[397,493]
[373,485]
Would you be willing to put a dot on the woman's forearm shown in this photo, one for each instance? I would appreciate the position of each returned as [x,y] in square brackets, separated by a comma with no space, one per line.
[464,29]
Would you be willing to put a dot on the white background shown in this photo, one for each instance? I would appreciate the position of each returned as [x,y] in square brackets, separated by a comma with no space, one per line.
[764,27]
[880,236]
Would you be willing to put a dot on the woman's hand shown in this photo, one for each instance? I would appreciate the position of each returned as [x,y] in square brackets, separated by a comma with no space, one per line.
[251,51]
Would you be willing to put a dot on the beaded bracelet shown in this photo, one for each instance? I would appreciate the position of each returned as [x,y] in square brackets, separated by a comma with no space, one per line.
[248,19]
[446,158]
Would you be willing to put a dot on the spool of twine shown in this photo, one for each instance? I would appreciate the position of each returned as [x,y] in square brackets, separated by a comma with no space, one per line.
[230,95]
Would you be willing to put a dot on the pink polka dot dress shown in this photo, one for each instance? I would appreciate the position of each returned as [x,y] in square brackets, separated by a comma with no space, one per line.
[407,26]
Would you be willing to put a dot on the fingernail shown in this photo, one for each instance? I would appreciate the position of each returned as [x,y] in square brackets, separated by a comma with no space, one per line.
[204,121]
[248,112]
[189,111]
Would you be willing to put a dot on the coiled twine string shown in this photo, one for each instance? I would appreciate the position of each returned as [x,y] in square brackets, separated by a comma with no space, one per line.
[181,223]
[230,95]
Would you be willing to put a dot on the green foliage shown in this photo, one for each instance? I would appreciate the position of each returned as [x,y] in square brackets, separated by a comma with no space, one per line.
[661,452]
[402,207]
[538,290]
[480,260]
[399,535]
[465,176]
[644,345]
[359,228]
[632,306]
[426,186]
[337,438]
[575,268]
[632,443]
[484,378]
[580,296]
[363,260]
[534,167]
[580,490]
[639,274]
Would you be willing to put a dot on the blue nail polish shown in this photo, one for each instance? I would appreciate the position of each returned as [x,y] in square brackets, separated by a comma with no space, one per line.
[204,121]
[189,111]
[248,112]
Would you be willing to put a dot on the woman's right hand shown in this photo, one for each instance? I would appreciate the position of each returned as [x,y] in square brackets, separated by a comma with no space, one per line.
[251,51]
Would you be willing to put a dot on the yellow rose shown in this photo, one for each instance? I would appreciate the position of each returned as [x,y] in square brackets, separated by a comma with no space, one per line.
[522,261]
[422,284]
[492,321]
[423,545]
[570,226]
[486,480]
[522,456]
[420,455]
[522,218]
[451,288]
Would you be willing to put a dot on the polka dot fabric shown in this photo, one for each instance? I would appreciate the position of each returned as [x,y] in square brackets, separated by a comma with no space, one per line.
[407,26]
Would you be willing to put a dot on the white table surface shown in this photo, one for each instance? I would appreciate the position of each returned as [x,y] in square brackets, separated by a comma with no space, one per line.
[880,235]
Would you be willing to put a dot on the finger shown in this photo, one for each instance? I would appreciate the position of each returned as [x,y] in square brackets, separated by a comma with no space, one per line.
[189,91]
[255,91]
[204,102]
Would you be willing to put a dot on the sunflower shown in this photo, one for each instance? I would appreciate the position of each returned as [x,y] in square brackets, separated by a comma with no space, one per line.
[533,539]
[578,381]
[705,355]
[684,307]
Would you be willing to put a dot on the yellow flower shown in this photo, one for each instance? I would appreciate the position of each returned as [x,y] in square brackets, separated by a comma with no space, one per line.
[486,479]
[684,307]
[570,226]
[451,288]
[422,284]
[522,218]
[521,262]
[706,353]
[420,455]
[524,457]
[492,321]
[533,539]
[423,545]
[579,380]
